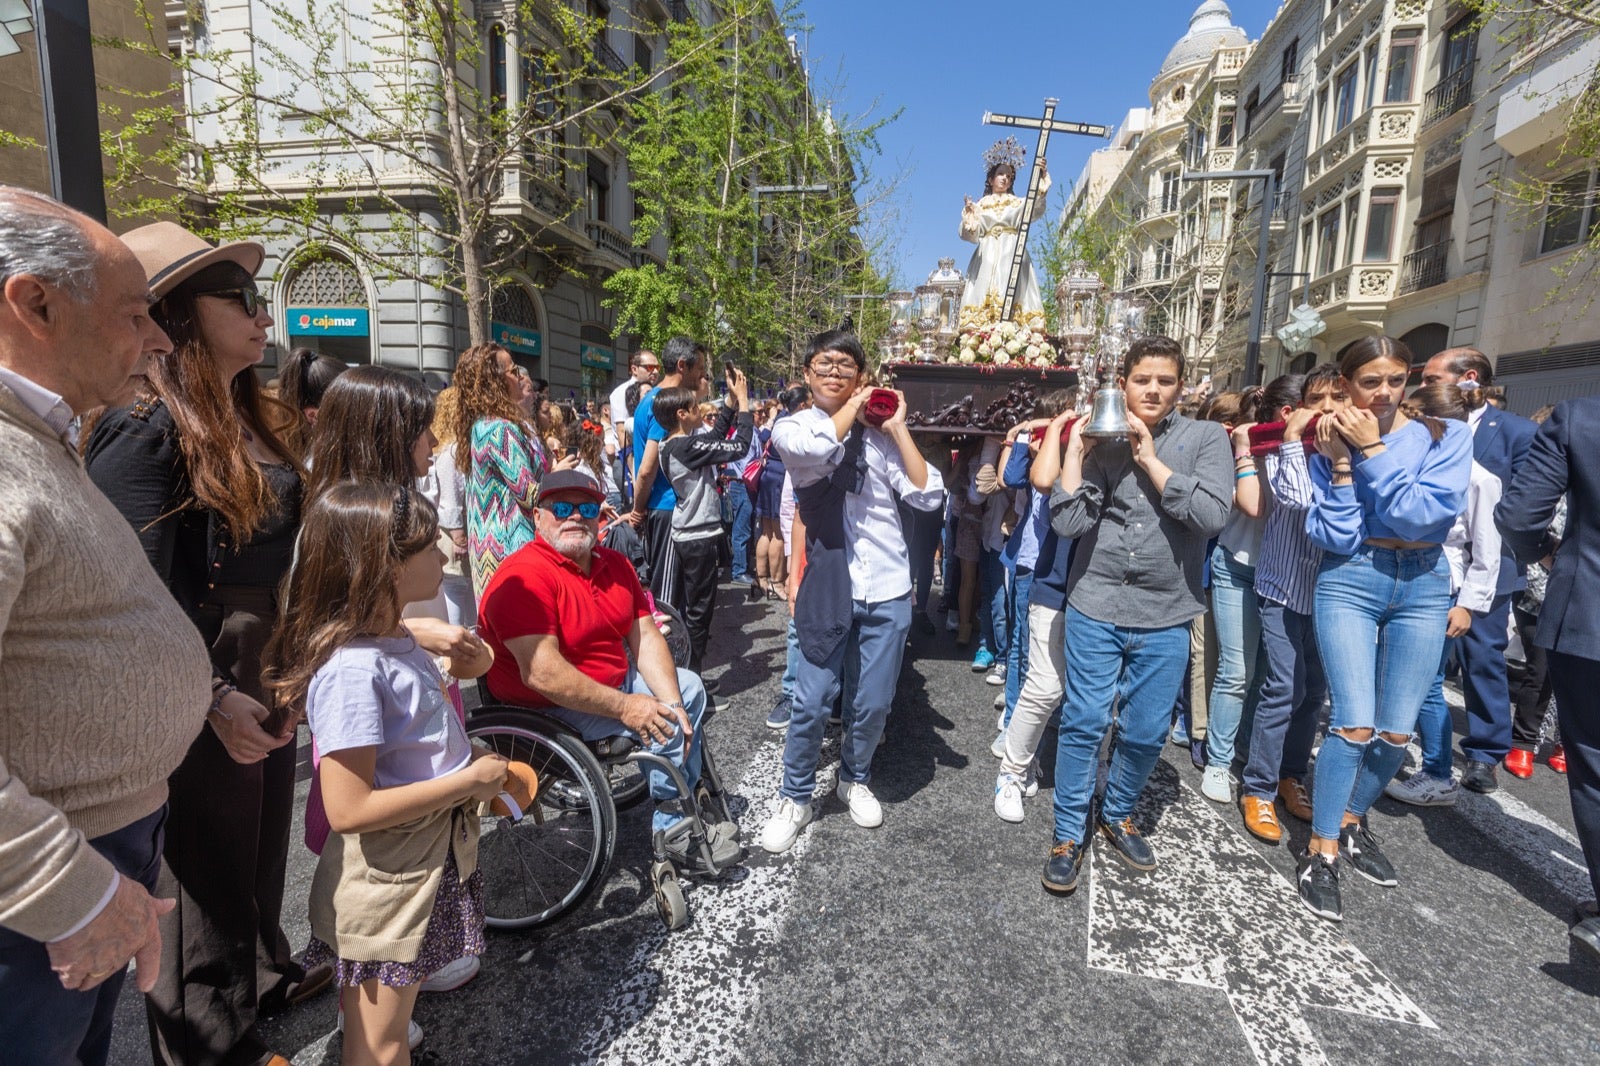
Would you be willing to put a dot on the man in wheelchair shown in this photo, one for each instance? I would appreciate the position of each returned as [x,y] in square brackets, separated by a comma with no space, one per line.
[564,617]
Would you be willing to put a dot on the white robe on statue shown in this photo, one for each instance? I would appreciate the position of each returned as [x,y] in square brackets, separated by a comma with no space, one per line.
[994,228]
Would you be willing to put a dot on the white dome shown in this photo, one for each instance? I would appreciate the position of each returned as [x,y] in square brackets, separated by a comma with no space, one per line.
[1210,27]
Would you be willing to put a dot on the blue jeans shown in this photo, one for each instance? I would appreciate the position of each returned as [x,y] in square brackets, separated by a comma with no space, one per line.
[662,790]
[45,1023]
[877,639]
[1292,688]
[1433,722]
[791,661]
[740,513]
[1238,625]
[1106,663]
[1381,614]
[1017,662]
[992,605]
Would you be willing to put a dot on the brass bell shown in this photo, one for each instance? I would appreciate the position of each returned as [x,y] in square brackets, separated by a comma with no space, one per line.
[1109,417]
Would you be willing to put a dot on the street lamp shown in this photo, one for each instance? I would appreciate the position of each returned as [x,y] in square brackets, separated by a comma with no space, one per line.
[756,193]
[1269,180]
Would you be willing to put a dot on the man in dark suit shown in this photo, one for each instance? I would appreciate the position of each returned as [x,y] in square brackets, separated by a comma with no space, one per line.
[1560,463]
[1500,441]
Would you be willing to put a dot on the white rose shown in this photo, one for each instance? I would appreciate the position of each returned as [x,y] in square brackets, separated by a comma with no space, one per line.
[1014,347]
[968,355]
[1002,359]
[1033,351]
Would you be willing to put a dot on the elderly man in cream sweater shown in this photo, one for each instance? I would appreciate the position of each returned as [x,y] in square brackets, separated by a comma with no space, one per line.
[103,681]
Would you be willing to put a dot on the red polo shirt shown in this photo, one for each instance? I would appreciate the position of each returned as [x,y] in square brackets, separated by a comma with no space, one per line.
[537,591]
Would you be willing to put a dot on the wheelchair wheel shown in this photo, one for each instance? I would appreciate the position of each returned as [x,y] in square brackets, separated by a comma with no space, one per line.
[628,783]
[552,861]
[671,907]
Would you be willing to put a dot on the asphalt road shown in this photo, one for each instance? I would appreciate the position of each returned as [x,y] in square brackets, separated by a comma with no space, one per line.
[930,939]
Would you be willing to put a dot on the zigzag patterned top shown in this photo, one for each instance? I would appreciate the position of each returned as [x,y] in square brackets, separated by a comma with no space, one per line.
[507,466]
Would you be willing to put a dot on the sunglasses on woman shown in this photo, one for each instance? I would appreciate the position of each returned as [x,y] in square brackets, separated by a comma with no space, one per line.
[563,509]
[250,299]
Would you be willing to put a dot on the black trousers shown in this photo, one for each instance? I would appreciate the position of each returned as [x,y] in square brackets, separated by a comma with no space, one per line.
[659,551]
[1577,688]
[1530,683]
[698,563]
[226,852]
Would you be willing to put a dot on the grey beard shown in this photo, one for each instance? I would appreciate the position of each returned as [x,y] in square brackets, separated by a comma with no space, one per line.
[577,551]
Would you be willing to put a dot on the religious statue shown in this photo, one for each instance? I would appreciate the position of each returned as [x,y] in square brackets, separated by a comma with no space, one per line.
[994,224]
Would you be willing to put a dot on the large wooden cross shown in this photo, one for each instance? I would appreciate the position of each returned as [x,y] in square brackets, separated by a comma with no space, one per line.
[1045,126]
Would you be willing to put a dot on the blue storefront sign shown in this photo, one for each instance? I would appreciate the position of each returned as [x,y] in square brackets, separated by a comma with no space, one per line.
[328,322]
[595,357]
[517,339]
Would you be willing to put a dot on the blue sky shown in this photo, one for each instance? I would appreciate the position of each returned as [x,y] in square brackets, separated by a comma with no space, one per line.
[946,63]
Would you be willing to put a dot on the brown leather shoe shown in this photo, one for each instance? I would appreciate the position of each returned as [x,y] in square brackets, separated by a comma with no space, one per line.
[314,983]
[1293,794]
[1261,818]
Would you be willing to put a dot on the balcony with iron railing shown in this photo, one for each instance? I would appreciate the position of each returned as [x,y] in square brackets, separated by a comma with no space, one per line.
[1425,268]
[1453,93]
[608,57]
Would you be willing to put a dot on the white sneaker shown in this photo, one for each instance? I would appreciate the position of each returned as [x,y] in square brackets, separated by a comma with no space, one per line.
[452,975]
[864,809]
[1008,797]
[1424,790]
[1216,784]
[1000,705]
[1030,780]
[998,747]
[413,1030]
[791,817]
[996,675]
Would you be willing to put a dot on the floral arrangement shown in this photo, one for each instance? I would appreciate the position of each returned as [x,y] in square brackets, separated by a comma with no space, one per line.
[984,338]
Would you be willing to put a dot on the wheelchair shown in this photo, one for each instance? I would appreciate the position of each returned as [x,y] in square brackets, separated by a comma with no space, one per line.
[546,864]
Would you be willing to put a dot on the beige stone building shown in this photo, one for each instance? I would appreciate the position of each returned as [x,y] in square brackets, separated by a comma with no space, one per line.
[1397,130]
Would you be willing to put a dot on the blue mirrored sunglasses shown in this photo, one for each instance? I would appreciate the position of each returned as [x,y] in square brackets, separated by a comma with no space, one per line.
[563,509]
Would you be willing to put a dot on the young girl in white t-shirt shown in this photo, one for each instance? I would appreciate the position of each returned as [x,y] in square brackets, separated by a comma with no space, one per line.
[400,780]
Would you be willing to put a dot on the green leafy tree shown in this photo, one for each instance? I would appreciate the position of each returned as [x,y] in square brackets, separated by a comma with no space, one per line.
[755,184]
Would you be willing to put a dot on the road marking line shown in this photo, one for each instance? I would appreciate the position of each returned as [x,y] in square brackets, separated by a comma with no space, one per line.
[688,996]
[1216,914]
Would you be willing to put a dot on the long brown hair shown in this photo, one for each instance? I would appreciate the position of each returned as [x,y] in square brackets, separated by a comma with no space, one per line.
[303,378]
[589,440]
[211,436]
[369,421]
[342,587]
[481,393]
[1436,401]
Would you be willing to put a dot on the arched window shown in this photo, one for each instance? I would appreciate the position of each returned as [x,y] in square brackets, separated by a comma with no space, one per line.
[1426,341]
[514,325]
[326,309]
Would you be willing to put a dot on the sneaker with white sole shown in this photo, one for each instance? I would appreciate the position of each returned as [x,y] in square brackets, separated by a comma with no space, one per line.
[998,747]
[1000,705]
[1030,780]
[452,975]
[413,1030]
[864,808]
[1216,784]
[785,825]
[996,674]
[1008,797]
[1424,790]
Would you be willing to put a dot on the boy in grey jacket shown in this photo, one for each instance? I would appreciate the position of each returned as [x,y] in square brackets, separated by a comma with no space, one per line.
[690,458]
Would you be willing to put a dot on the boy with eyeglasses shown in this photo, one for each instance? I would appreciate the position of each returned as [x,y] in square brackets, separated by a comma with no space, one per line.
[857,582]
[689,458]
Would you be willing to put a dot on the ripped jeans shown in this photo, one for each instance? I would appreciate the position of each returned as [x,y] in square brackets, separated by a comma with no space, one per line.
[1381,615]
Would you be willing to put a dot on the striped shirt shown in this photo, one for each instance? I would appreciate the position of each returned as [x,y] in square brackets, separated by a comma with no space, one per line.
[1286,564]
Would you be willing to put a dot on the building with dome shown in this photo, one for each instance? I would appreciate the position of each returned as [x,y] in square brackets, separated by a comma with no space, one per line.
[1395,130]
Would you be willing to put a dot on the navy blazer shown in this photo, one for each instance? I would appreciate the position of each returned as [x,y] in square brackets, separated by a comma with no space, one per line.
[1500,445]
[1562,462]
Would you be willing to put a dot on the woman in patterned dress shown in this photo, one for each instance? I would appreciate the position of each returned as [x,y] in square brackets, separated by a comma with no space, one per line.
[500,453]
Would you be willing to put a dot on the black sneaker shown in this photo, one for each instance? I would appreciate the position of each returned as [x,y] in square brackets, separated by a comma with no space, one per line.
[1062,866]
[780,714]
[1358,846]
[1131,848]
[1318,883]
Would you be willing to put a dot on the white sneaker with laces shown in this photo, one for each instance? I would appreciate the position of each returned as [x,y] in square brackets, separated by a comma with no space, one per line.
[1424,790]
[1008,797]
[1216,784]
[998,747]
[452,975]
[864,808]
[996,674]
[1030,780]
[785,825]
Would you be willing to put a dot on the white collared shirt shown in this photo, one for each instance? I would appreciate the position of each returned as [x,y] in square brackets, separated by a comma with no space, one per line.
[1475,418]
[880,569]
[49,406]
